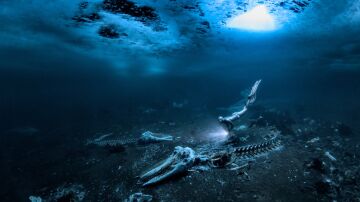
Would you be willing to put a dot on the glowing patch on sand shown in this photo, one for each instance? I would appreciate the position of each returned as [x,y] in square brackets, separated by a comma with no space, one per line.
[218,133]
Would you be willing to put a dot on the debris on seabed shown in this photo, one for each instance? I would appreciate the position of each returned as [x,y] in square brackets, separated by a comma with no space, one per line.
[315,139]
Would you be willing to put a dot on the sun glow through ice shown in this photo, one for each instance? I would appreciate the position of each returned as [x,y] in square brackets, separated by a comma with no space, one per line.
[256,19]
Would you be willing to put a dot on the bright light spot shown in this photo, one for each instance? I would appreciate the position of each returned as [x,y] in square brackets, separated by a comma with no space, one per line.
[257,19]
[217,133]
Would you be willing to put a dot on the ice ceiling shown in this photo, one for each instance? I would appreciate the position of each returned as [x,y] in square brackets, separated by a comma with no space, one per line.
[146,33]
[170,24]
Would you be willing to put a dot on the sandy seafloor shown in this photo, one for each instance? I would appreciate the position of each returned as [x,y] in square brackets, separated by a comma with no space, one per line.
[62,167]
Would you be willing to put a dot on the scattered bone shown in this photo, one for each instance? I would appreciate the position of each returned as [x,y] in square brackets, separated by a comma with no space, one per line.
[150,137]
[330,156]
[139,197]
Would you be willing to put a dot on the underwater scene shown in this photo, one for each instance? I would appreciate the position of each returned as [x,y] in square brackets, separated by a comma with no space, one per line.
[179,100]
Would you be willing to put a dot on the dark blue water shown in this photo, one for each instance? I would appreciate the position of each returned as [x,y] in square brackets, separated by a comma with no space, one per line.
[66,77]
